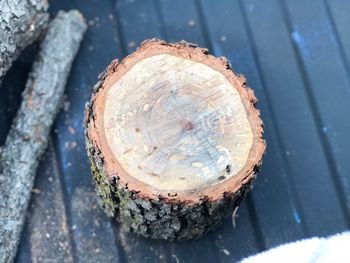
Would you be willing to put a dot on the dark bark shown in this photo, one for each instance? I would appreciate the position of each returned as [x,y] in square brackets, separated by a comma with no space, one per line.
[29,133]
[21,22]
[160,219]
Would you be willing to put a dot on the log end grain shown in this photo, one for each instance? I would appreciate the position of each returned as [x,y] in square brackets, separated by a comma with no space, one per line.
[174,139]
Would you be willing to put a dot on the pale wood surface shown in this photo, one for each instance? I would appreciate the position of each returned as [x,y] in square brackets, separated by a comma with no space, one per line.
[177,124]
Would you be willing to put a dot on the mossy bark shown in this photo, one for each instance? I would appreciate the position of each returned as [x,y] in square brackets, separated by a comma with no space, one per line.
[158,218]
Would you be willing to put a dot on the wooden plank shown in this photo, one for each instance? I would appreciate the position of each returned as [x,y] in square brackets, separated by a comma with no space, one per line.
[327,83]
[233,42]
[219,244]
[91,229]
[307,164]
[46,235]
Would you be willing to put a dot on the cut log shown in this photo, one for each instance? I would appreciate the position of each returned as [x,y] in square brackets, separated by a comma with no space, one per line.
[21,22]
[29,133]
[174,140]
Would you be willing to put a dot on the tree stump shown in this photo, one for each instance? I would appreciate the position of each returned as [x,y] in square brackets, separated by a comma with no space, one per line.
[174,140]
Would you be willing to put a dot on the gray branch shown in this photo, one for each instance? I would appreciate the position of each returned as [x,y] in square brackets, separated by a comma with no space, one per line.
[21,22]
[29,133]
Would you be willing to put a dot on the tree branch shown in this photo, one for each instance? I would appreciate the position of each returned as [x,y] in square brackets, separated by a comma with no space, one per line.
[29,133]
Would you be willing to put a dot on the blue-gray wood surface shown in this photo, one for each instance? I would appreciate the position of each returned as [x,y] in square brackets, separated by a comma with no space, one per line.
[295,54]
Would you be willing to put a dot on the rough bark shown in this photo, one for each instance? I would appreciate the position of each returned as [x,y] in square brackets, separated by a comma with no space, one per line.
[160,218]
[29,133]
[166,216]
[21,22]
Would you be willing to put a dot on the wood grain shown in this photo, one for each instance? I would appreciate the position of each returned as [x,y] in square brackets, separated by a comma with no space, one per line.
[182,208]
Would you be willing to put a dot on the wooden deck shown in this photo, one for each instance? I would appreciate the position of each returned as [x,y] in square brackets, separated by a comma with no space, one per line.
[295,54]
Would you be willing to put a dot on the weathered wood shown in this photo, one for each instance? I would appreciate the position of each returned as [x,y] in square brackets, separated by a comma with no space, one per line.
[46,236]
[29,132]
[21,22]
[172,159]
